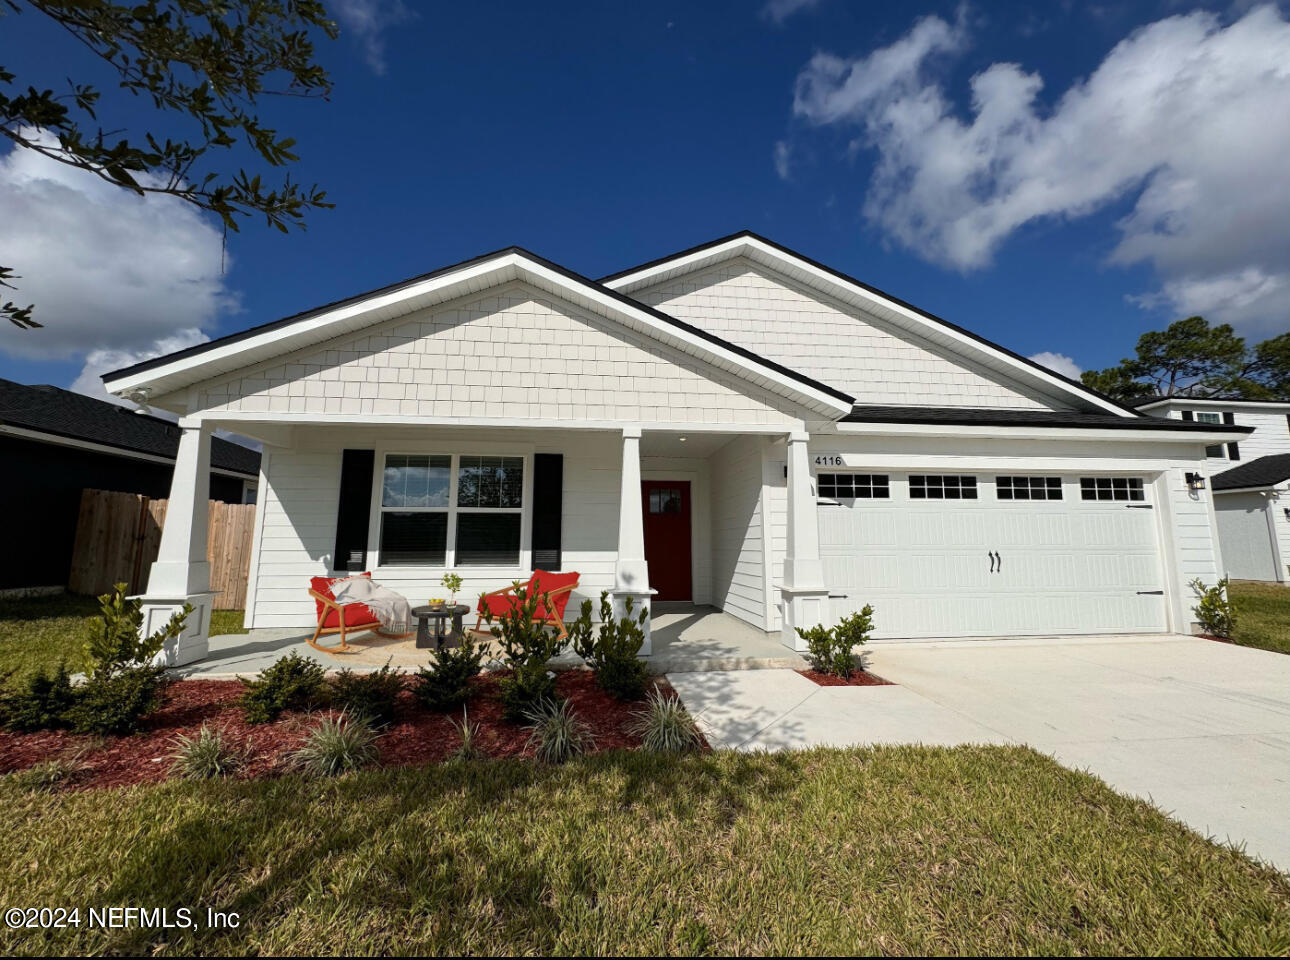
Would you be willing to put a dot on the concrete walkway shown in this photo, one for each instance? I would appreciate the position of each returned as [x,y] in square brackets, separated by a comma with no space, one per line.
[1201,729]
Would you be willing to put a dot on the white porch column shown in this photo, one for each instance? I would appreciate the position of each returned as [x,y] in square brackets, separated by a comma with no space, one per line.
[181,573]
[631,575]
[805,598]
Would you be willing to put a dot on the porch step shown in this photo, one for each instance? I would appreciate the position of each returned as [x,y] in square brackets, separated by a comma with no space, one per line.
[683,664]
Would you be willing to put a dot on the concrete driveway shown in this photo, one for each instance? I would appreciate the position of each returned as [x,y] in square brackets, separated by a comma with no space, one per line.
[1202,729]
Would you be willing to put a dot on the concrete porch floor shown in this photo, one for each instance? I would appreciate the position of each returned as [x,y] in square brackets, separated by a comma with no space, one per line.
[686,638]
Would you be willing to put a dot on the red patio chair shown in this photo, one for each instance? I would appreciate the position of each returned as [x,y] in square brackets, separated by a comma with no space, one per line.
[550,587]
[339,618]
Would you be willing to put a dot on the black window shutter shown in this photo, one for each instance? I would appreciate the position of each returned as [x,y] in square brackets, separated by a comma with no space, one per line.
[1229,418]
[354,510]
[1188,415]
[548,495]
[1233,451]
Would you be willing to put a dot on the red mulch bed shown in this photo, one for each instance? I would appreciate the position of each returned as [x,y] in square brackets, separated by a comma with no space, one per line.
[1210,636]
[858,678]
[416,736]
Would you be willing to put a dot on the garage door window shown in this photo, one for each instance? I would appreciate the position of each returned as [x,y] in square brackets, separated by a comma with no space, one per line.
[854,486]
[1028,488]
[1111,488]
[938,487]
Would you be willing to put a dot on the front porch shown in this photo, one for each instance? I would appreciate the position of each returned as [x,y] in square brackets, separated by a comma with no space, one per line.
[493,502]
[687,638]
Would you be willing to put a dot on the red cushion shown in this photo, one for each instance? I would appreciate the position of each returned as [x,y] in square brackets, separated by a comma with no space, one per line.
[323,585]
[544,582]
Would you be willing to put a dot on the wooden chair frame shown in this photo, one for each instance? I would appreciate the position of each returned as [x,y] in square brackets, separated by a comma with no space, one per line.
[550,620]
[343,628]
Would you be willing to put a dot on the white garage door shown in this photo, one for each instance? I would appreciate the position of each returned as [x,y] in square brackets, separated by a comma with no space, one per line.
[984,555]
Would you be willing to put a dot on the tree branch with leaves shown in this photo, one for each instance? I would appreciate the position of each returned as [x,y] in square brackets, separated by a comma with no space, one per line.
[206,62]
[1192,359]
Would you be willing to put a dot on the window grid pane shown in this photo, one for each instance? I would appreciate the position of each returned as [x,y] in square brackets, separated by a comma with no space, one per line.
[1112,488]
[942,487]
[853,486]
[490,482]
[1028,488]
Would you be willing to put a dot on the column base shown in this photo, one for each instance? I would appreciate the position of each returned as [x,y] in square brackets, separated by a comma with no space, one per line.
[802,607]
[193,643]
[641,599]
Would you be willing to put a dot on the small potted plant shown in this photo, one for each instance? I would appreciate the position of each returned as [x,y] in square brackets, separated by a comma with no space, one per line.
[452,583]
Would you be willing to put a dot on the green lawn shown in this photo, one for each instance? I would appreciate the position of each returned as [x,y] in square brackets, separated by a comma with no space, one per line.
[36,632]
[895,850]
[1262,615]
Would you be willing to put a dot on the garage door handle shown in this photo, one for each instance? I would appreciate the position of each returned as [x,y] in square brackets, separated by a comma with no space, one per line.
[1151,593]
[999,557]
[993,560]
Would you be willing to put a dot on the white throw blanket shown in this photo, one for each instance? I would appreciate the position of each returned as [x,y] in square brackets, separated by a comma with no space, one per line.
[392,609]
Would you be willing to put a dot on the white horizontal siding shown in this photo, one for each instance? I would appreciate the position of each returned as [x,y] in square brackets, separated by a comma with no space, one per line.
[300,501]
[834,343]
[1271,430]
[738,573]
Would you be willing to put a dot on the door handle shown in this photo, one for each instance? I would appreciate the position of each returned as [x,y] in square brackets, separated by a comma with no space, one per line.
[999,556]
[991,556]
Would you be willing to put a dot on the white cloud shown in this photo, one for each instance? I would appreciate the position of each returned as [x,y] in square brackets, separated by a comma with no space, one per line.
[783,155]
[1057,362]
[106,359]
[781,10]
[1185,115]
[110,273]
[368,20]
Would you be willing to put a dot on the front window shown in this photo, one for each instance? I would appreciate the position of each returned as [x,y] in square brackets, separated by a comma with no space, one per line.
[442,510]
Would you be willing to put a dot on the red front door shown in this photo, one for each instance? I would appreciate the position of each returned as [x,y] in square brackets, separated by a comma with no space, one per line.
[666,505]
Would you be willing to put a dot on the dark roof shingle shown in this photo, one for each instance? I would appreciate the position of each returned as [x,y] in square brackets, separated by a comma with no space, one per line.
[48,409]
[1263,472]
[981,417]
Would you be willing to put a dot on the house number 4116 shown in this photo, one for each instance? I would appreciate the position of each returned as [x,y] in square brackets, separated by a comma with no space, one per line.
[828,460]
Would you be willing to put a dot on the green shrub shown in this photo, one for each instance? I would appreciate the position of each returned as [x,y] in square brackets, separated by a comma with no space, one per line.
[524,690]
[556,735]
[114,639]
[468,734]
[665,725]
[832,649]
[339,744]
[206,756]
[115,702]
[293,683]
[527,645]
[613,652]
[39,702]
[373,694]
[1214,611]
[43,776]
[448,682]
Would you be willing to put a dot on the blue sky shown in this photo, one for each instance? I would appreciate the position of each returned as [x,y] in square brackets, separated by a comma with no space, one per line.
[1052,205]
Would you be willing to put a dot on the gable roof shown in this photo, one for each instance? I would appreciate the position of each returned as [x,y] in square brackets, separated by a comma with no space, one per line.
[1263,472]
[174,371]
[46,409]
[802,268]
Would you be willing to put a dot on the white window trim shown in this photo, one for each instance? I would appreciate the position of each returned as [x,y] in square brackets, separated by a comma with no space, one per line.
[455,451]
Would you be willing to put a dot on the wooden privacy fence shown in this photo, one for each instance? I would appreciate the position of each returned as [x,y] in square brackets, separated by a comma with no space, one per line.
[118,534]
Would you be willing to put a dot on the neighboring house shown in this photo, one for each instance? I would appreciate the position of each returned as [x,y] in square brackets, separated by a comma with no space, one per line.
[733,425]
[55,443]
[1250,479]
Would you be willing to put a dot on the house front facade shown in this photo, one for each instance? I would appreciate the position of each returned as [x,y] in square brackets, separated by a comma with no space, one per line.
[1250,480]
[734,425]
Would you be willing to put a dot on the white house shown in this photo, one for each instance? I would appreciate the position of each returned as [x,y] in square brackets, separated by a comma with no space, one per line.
[733,425]
[1250,480]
